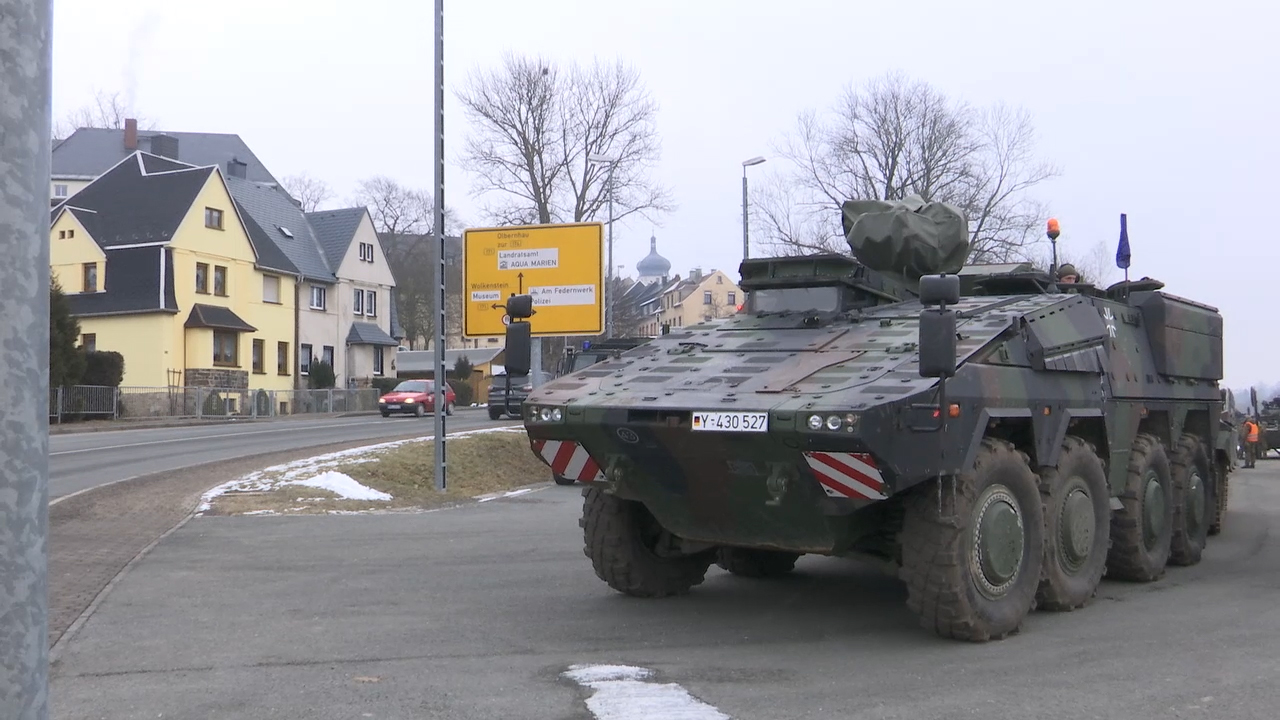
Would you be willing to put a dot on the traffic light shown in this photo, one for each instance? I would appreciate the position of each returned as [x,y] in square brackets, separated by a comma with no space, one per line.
[519,350]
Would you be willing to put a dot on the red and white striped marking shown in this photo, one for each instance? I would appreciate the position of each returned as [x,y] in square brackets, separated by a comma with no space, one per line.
[568,460]
[847,475]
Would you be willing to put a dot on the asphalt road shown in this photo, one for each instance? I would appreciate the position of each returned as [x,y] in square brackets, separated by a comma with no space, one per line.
[477,611]
[78,461]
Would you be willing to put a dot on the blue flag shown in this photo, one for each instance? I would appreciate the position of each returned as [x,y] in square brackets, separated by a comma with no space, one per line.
[1122,252]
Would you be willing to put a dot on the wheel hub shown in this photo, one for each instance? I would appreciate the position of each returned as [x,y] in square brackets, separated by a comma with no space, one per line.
[1153,502]
[1075,529]
[1197,502]
[998,542]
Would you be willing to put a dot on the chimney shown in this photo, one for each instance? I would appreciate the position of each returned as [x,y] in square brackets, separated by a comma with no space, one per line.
[695,274]
[164,146]
[236,168]
[131,134]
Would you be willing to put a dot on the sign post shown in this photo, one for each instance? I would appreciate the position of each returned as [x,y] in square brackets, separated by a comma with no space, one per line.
[560,266]
[26,71]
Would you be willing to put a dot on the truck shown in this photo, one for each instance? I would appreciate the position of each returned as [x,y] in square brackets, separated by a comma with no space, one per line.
[999,448]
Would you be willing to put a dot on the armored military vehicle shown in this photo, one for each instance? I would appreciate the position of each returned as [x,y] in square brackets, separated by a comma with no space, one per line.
[1000,448]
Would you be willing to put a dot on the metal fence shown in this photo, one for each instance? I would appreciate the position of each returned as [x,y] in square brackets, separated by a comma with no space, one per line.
[91,401]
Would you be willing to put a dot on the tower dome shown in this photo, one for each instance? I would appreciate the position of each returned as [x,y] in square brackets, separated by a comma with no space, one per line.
[653,266]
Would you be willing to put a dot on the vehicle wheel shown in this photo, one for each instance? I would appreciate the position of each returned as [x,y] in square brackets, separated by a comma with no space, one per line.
[621,538]
[1077,515]
[448,409]
[562,480]
[495,413]
[418,410]
[1220,500]
[1194,506]
[386,414]
[972,566]
[753,563]
[1141,533]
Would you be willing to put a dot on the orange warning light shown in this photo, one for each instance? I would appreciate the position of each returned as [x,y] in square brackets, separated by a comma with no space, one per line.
[1053,231]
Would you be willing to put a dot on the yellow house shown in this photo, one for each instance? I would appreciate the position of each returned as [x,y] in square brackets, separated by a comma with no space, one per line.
[698,298]
[159,264]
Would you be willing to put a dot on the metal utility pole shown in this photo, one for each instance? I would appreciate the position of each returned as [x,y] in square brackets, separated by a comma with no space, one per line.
[608,291]
[26,71]
[746,246]
[438,222]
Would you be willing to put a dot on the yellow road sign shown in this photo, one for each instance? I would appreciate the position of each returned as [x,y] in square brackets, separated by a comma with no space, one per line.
[561,266]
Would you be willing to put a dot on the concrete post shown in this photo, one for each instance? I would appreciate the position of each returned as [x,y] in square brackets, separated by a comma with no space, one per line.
[25,126]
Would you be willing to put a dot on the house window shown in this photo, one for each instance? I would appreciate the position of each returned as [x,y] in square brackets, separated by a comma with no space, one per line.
[259,351]
[326,354]
[706,297]
[60,191]
[317,297]
[271,289]
[366,252]
[719,279]
[282,358]
[90,276]
[304,359]
[219,281]
[202,278]
[733,298]
[358,300]
[89,341]
[377,359]
[371,303]
[226,348]
[213,218]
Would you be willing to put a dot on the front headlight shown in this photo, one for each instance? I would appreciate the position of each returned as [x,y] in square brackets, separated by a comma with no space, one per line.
[835,422]
[546,414]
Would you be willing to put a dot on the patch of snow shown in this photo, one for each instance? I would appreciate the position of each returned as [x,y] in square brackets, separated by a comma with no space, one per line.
[497,495]
[624,692]
[344,486]
[270,478]
[260,512]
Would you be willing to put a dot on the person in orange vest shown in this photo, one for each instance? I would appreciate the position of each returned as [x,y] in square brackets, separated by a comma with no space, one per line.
[1251,432]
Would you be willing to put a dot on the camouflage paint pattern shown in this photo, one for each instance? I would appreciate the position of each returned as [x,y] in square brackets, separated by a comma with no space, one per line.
[1032,368]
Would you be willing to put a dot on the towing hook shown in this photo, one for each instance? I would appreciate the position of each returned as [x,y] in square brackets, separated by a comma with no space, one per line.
[778,482]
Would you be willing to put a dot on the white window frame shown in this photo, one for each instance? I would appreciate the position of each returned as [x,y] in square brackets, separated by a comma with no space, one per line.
[318,291]
[358,299]
[305,357]
[268,281]
[371,303]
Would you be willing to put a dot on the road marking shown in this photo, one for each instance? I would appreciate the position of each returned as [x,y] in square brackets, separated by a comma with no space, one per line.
[625,692]
[207,437]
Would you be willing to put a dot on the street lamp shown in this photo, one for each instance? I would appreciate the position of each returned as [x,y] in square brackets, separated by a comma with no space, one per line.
[746,250]
[608,290]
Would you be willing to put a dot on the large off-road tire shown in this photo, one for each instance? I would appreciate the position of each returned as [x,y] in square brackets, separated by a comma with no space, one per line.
[494,413]
[1221,490]
[972,568]
[620,537]
[1141,533]
[749,562]
[1194,508]
[1077,515]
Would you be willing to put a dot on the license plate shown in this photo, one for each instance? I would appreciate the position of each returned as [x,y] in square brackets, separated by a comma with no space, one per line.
[731,421]
[393,407]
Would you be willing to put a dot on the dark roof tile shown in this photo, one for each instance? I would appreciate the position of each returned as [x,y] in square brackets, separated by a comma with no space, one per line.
[363,333]
[334,230]
[216,317]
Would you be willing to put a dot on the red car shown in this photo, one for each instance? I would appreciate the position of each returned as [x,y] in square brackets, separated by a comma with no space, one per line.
[415,397]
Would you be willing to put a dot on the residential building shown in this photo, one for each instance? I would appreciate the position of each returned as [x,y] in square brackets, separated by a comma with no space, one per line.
[697,298]
[160,265]
[485,363]
[85,154]
[320,327]
[351,246]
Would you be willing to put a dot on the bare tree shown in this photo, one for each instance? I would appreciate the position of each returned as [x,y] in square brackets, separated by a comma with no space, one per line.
[107,111]
[894,138]
[404,219]
[311,192]
[535,125]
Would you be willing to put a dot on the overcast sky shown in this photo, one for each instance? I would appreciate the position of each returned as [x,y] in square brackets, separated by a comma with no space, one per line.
[1166,111]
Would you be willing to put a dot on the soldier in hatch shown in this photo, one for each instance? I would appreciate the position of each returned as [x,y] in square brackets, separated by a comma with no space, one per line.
[1067,274]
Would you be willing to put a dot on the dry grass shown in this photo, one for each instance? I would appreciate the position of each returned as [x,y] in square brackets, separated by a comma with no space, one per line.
[478,465]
